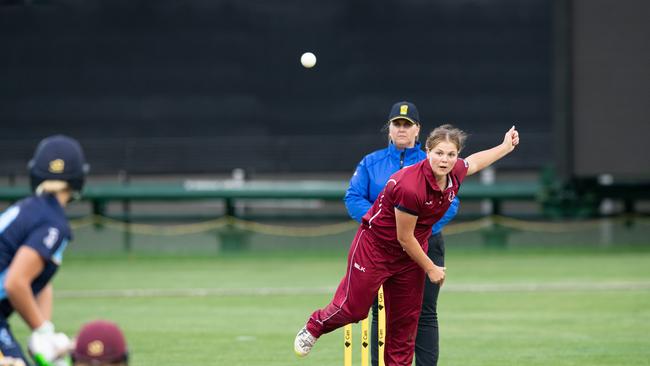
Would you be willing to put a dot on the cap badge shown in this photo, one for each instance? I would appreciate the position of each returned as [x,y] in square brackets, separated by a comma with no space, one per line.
[95,348]
[57,166]
[404,110]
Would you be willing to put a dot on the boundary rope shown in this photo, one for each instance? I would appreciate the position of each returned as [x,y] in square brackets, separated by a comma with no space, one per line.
[233,223]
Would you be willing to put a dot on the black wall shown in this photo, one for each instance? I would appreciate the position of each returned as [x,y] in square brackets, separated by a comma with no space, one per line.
[210,85]
[611,88]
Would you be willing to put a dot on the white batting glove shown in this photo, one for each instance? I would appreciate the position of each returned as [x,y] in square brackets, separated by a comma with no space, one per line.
[48,348]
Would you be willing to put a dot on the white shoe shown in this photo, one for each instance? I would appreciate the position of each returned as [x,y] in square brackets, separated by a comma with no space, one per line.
[304,342]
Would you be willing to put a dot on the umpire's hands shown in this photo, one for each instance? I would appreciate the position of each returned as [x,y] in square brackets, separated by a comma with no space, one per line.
[49,348]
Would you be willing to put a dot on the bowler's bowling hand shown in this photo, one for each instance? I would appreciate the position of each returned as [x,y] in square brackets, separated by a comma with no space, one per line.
[437,274]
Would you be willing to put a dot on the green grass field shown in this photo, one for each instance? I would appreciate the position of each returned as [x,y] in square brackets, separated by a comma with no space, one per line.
[498,307]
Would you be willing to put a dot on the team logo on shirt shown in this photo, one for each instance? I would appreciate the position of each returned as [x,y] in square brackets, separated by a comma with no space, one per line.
[51,238]
[452,195]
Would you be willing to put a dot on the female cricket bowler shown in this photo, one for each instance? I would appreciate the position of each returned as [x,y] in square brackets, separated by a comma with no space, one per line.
[34,232]
[390,245]
[366,184]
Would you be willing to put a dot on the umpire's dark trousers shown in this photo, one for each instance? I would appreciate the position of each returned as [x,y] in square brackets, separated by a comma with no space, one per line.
[426,343]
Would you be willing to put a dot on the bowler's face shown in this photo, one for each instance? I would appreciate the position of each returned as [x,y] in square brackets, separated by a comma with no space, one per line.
[443,158]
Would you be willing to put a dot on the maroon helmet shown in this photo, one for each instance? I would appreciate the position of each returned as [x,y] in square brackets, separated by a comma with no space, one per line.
[100,341]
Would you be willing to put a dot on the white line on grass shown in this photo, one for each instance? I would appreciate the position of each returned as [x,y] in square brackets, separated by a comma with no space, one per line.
[275,291]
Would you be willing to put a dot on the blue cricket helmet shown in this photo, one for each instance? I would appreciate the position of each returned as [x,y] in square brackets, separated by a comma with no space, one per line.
[58,157]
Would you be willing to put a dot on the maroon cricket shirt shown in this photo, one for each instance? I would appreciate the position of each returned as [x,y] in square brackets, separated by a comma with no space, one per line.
[413,190]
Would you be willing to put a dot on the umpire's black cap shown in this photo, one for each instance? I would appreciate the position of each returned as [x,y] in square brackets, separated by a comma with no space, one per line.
[404,110]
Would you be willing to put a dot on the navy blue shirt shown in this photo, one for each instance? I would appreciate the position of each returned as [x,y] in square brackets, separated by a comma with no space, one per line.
[38,222]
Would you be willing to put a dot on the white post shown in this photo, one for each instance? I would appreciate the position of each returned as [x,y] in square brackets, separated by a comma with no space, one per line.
[237,180]
[607,208]
[487,177]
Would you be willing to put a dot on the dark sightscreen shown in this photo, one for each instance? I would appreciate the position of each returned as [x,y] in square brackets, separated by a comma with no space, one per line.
[611,78]
[207,86]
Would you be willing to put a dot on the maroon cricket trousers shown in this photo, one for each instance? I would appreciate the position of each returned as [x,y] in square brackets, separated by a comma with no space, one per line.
[371,264]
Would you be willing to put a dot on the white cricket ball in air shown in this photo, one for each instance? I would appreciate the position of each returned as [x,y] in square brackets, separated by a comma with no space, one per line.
[308,60]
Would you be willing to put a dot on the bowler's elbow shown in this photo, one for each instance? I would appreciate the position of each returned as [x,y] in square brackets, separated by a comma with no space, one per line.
[403,240]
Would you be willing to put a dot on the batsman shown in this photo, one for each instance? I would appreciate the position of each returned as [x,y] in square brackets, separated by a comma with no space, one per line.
[34,233]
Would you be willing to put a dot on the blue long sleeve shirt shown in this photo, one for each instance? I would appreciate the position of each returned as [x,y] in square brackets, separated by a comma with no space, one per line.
[371,176]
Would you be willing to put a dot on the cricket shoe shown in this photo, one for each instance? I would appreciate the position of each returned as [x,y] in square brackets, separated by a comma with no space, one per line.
[304,342]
